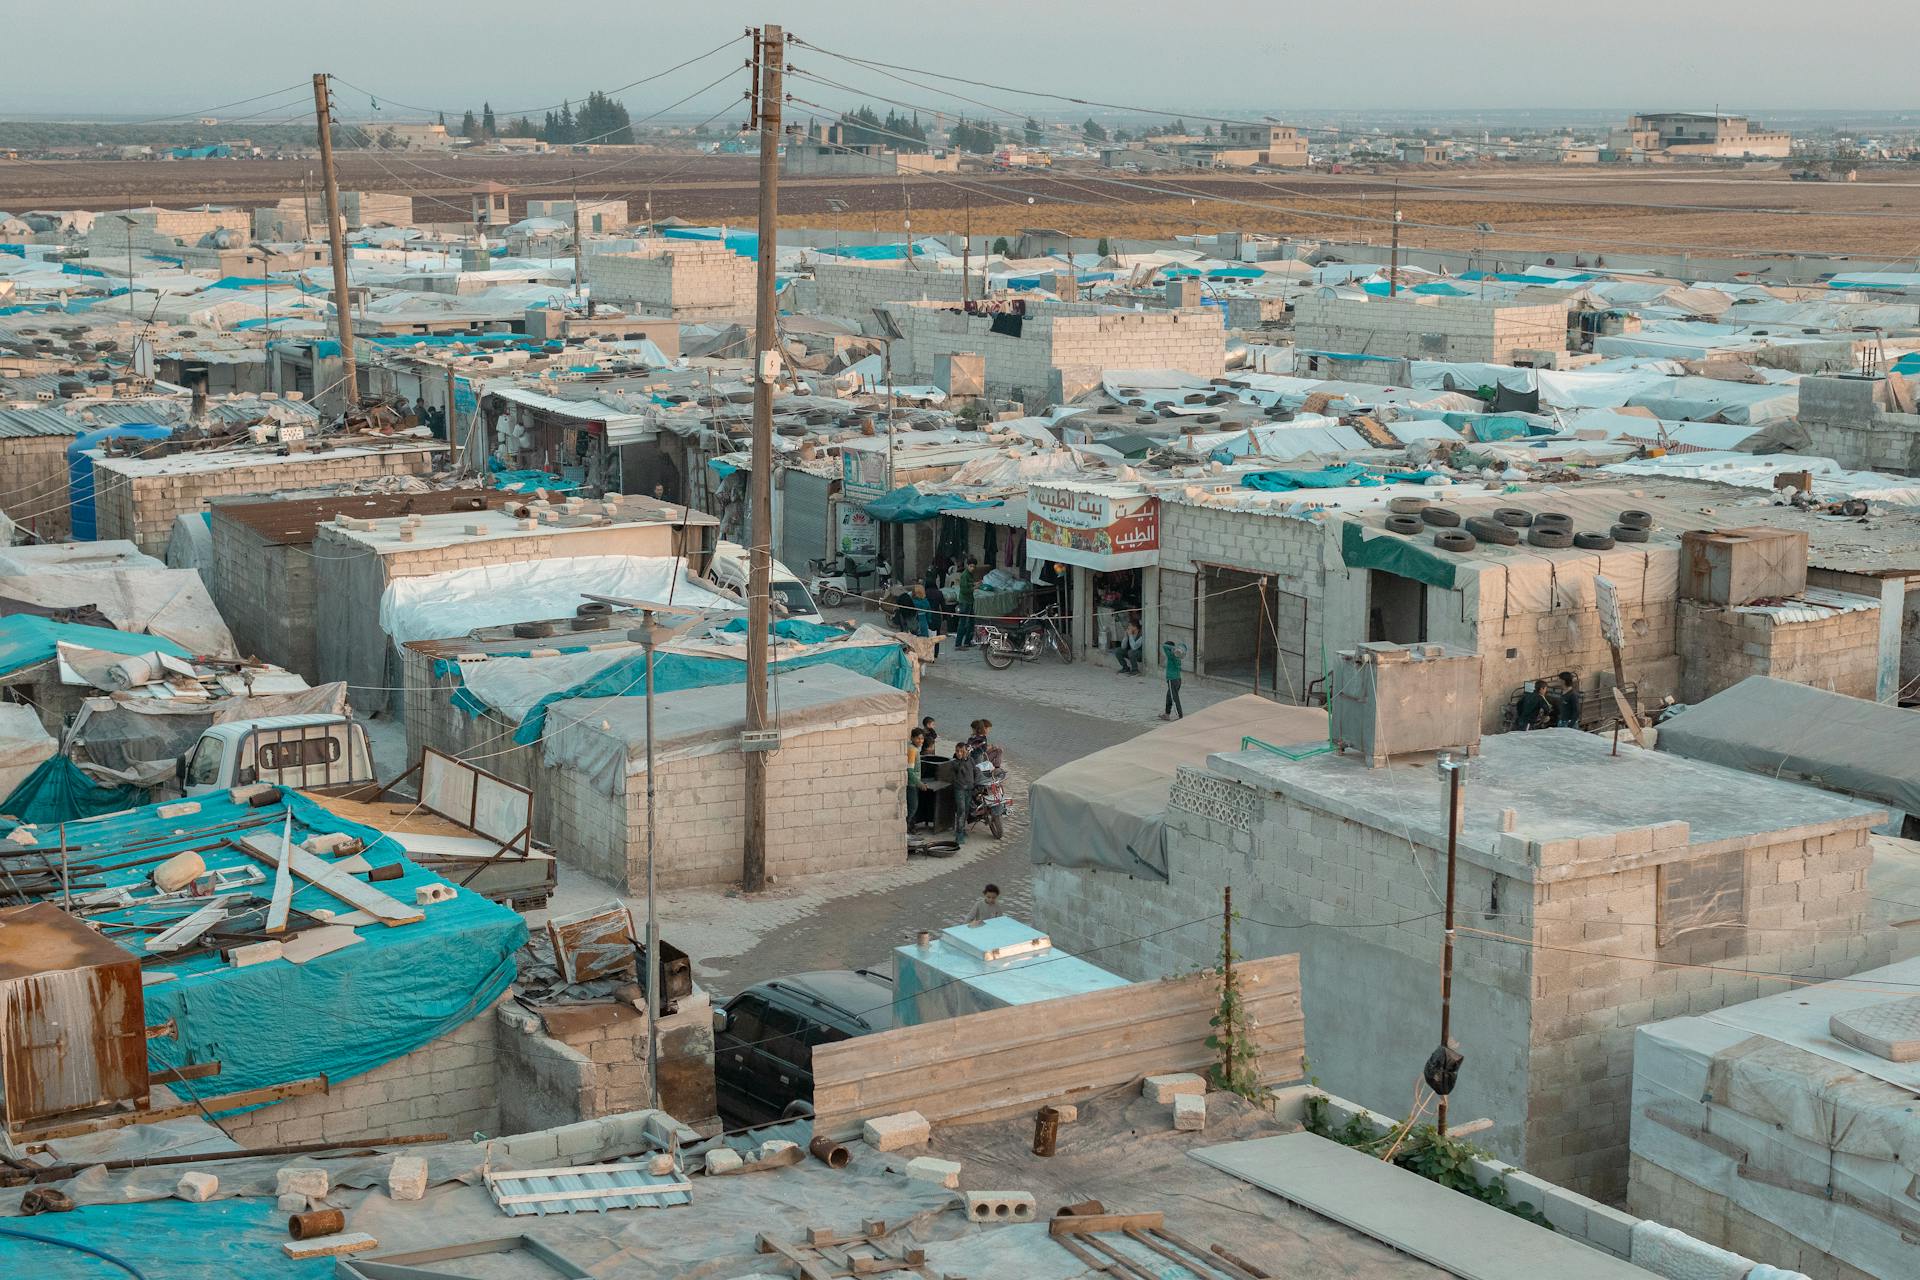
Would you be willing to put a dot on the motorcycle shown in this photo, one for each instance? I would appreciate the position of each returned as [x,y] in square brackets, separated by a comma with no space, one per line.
[989,799]
[833,580]
[1000,644]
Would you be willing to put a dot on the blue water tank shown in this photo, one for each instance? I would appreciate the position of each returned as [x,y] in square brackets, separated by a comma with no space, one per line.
[80,469]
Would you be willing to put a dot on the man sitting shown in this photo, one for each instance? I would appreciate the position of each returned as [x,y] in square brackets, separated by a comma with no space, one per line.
[1131,647]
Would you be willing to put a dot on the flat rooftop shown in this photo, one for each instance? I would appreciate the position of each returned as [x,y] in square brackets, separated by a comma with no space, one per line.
[445,529]
[1561,784]
[186,464]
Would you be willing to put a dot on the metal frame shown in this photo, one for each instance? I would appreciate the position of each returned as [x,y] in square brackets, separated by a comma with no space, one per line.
[402,1266]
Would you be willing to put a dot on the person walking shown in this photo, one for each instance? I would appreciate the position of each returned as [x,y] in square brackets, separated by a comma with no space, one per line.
[1170,654]
[1533,710]
[963,591]
[963,785]
[915,741]
[1130,650]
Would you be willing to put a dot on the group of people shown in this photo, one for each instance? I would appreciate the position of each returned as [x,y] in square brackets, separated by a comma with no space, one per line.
[968,755]
[941,603]
[1545,706]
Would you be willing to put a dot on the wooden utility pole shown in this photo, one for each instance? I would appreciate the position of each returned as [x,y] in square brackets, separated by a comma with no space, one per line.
[966,258]
[579,249]
[753,870]
[336,247]
[1393,268]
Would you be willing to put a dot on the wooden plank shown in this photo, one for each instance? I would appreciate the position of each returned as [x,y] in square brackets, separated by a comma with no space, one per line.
[388,911]
[189,929]
[223,1102]
[808,1268]
[1084,1224]
[589,1193]
[330,1246]
[1002,1061]
[1439,1226]
[282,881]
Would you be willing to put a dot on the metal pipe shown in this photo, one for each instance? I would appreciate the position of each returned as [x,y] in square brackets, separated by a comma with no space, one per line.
[316,1222]
[829,1152]
[1453,768]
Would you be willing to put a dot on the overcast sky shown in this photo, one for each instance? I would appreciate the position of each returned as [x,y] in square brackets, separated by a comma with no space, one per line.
[136,56]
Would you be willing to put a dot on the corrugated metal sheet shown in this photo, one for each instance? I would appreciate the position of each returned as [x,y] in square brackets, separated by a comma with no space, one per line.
[18,423]
[622,1187]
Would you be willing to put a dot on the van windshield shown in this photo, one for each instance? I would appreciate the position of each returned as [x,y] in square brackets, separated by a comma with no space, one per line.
[793,597]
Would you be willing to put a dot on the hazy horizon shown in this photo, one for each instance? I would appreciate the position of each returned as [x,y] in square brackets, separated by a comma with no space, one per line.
[1742,56]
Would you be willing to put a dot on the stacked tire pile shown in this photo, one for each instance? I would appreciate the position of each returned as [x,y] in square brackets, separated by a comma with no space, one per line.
[1508,527]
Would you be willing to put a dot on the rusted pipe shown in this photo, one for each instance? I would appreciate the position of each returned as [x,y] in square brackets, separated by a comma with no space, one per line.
[1046,1130]
[829,1152]
[316,1222]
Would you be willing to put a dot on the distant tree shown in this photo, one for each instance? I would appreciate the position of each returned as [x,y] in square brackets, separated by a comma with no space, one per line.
[443,120]
[1092,131]
[1000,246]
[1103,249]
[1178,127]
[487,126]
[601,119]
[1034,135]
[521,127]
[469,126]
[388,140]
[1122,136]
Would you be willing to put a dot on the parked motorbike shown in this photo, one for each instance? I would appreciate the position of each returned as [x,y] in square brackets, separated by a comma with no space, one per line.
[833,580]
[989,799]
[1001,644]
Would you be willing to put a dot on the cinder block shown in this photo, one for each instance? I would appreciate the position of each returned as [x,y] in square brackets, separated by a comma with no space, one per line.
[890,1133]
[300,1180]
[928,1169]
[1000,1206]
[197,1186]
[293,1202]
[1165,1089]
[1190,1111]
[407,1178]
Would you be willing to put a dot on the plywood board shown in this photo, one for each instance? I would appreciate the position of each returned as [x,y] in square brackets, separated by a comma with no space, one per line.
[344,887]
[1454,1232]
[987,1065]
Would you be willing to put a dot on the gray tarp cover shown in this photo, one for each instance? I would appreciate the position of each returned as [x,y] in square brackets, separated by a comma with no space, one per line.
[125,732]
[1106,810]
[1797,732]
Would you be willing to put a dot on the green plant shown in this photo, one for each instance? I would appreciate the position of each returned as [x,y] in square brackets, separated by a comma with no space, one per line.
[1238,1070]
[1422,1150]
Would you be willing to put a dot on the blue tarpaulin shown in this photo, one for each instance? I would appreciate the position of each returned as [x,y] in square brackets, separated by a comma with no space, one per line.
[886,663]
[1338,477]
[165,1239]
[797,630]
[27,639]
[341,1014]
[528,481]
[58,792]
[16,250]
[907,505]
[1432,288]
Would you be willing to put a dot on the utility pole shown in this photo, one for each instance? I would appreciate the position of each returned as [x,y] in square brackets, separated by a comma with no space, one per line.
[1393,269]
[336,248]
[771,45]
[1454,767]
[578,249]
[966,259]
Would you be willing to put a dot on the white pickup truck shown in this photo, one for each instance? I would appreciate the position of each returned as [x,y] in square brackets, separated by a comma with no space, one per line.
[311,752]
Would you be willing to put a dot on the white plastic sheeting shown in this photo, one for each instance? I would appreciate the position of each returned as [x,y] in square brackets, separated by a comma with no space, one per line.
[170,603]
[24,743]
[452,604]
[1831,481]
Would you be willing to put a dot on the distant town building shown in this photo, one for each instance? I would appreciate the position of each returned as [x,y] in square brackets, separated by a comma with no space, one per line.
[1700,133]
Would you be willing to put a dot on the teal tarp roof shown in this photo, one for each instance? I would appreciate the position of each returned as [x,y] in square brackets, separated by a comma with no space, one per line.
[58,792]
[26,640]
[276,1022]
[907,505]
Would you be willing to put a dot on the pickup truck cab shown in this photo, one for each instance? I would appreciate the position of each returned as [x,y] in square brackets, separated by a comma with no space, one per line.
[732,566]
[303,752]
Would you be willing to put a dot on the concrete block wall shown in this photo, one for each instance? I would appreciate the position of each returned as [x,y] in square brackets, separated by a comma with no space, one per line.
[548,1080]
[1068,336]
[1720,647]
[1852,421]
[835,803]
[448,1085]
[1547,1026]
[1290,551]
[1469,328]
[265,591]
[34,492]
[851,292]
[1676,1201]
[141,506]
[687,283]
[433,721]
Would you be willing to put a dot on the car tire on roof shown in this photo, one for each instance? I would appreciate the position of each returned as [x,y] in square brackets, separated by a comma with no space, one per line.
[1636,519]
[1549,536]
[1513,517]
[1553,519]
[1492,531]
[1454,540]
[1407,506]
[1625,533]
[1440,517]
[1593,541]
[1404,524]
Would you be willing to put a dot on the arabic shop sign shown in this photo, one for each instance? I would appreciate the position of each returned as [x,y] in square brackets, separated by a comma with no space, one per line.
[1092,529]
[863,474]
